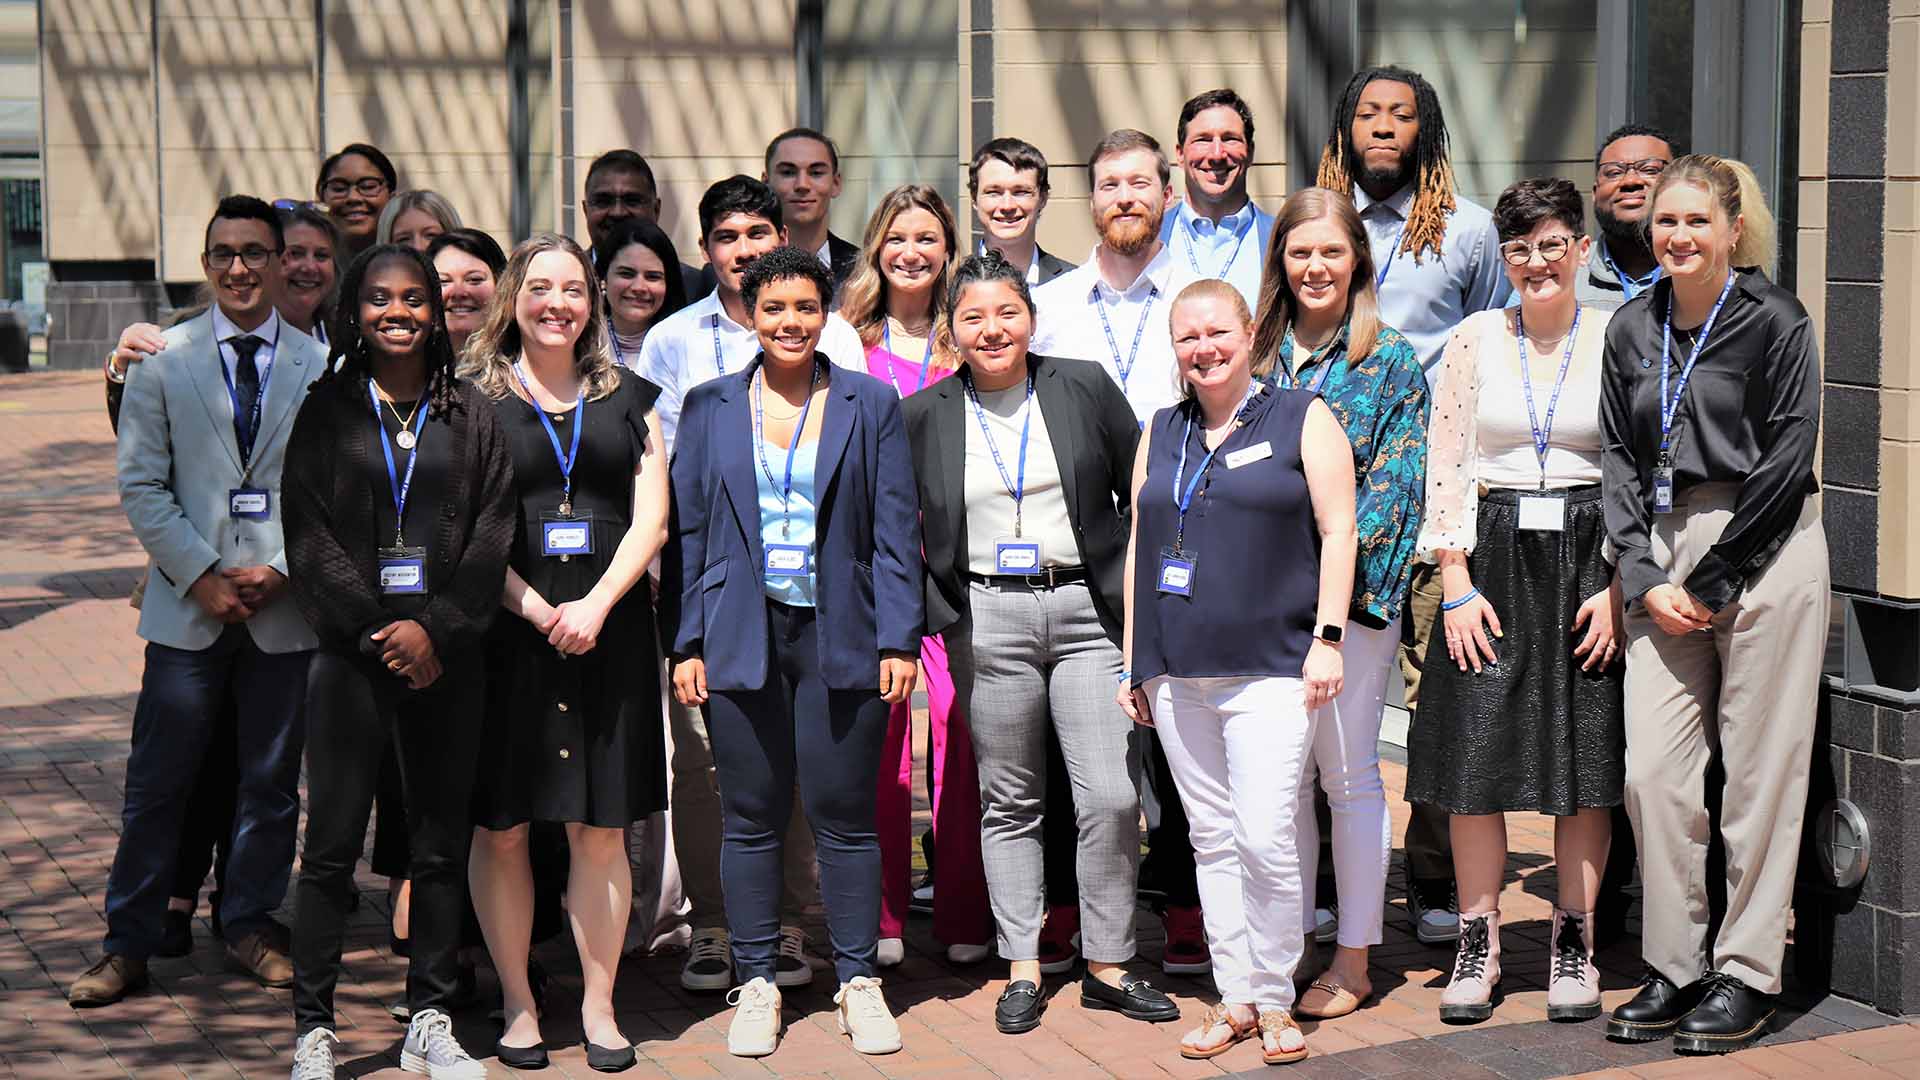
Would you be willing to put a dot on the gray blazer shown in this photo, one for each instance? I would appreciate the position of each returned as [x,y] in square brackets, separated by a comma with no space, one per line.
[178,461]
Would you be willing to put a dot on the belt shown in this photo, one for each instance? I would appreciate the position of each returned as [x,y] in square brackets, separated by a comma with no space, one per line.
[1050,578]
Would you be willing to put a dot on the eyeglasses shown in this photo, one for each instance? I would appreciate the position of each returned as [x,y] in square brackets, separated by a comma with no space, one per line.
[607,200]
[338,188]
[1648,168]
[1552,249]
[255,258]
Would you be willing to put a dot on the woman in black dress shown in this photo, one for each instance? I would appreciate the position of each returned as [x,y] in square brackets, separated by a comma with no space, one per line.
[574,733]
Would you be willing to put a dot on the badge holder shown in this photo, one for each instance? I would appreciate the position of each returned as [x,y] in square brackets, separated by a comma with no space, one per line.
[403,571]
[1176,572]
[563,536]
[1543,511]
[249,503]
[789,560]
[1663,486]
[1016,555]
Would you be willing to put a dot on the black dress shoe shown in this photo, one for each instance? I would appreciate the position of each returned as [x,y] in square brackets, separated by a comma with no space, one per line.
[177,938]
[603,1059]
[1133,999]
[1018,1009]
[520,1057]
[1655,1011]
[1730,1016]
[399,946]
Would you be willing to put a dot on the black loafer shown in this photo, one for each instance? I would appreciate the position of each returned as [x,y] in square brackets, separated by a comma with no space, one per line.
[1731,1016]
[521,1057]
[603,1059]
[177,938]
[1134,999]
[1655,1011]
[1018,1010]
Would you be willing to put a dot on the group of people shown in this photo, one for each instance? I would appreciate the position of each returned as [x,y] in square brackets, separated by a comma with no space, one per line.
[1153,531]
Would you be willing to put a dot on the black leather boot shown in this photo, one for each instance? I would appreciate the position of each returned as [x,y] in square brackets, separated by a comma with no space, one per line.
[1731,1016]
[1655,1011]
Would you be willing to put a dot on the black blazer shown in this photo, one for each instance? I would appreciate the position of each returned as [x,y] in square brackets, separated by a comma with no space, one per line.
[1093,432]
[844,255]
[1051,266]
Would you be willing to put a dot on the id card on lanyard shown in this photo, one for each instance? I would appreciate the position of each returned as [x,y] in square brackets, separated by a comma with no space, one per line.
[1178,566]
[562,534]
[403,569]
[1543,511]
[784,559]
[1011,554]
[1663,471]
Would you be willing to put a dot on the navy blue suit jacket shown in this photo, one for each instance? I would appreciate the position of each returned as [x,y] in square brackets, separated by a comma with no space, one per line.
[867,548]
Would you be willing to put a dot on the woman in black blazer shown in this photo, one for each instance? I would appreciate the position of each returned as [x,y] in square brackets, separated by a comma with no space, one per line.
[1025,517]
[399,513]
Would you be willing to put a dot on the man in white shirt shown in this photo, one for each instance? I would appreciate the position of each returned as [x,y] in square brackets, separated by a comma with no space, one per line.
[1217,231]
[1113,309]
[740,220]
[1008,184]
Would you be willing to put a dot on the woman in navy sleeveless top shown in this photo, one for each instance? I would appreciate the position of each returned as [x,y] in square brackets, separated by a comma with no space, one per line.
[1240,573]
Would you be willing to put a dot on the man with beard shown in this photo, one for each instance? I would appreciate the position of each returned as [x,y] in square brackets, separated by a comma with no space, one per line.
[620,188]
[1631,158]
[1217,230]
[1437,260]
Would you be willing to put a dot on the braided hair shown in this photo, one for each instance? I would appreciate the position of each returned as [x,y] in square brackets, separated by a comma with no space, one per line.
[347,361]
[1433,168]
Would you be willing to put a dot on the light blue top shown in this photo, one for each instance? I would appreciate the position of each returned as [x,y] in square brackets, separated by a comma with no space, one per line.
[799,518]
[1425,299]
[1234,251]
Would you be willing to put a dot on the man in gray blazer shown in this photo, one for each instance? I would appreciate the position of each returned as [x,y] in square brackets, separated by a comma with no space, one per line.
[203,433]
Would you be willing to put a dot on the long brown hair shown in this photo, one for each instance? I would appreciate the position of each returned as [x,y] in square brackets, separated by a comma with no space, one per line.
[492,349]
[1730,183]
[1278,307]
[863,300]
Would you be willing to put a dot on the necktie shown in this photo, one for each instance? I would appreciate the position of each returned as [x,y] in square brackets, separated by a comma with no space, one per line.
[246,405]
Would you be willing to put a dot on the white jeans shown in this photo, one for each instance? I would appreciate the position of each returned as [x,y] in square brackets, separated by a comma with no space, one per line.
[1346,754]
[1239,749]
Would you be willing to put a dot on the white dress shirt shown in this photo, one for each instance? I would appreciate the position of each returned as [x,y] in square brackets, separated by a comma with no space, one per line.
[1070,324]
[699,342]
[1234,251]
[224,331]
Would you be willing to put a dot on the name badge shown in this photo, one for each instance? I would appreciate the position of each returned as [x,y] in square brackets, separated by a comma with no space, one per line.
[1247,455]
[789,560]
[1012,555]
[1663,489]
[1176,572]
[249,504]
[566,536]
[403,571]
[1543,513]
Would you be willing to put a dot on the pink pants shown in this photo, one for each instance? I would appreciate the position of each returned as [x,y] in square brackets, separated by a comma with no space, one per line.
[960,914]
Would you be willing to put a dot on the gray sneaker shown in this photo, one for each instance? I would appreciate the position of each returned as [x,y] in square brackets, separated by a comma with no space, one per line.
[709,963]
[432,1051]
[313,1055]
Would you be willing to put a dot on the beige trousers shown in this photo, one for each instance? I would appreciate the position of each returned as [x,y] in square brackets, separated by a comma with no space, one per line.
[1748,686]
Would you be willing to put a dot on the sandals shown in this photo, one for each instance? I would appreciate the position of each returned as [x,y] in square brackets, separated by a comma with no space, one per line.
[1237,1032]
[1273,1022]
[1328,1000]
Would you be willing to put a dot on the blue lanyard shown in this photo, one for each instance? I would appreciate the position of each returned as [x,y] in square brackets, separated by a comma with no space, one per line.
[886,342]
[1671,406]
[719,366]
[1017,484]
[1284,376]
[1153,293]
[799,428]
[253,417]
[1542,435]
[1630,285]
[1381,278]
[1184,498]
[566,460]
[1239,238]
[397,486]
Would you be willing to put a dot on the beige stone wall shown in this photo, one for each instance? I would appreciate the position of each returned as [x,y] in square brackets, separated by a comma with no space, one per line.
[100,196]
[1900,355]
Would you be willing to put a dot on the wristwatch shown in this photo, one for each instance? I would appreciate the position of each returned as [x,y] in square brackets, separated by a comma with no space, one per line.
[1329,633]
[112,375]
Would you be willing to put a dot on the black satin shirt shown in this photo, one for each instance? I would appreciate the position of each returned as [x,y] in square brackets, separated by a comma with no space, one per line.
[1750,416]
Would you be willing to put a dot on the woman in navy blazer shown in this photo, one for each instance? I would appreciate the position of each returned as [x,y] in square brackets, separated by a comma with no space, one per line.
[796,566]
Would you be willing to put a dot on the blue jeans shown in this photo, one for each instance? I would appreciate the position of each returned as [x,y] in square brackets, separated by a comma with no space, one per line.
[182,695]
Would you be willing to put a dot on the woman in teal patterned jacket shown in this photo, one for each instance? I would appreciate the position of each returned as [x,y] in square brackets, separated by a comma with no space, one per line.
[1320,328]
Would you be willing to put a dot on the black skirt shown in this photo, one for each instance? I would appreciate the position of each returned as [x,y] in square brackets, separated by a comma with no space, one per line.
[1533,731]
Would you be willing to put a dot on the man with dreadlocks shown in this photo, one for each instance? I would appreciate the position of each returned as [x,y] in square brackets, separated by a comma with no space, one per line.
[1438,262]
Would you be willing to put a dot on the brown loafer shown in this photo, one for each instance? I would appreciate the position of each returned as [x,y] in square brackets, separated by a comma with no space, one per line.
[257,954]
[106,982]
[1327,1000]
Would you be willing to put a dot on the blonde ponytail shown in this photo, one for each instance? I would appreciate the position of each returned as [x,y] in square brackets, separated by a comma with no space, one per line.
[1733,185]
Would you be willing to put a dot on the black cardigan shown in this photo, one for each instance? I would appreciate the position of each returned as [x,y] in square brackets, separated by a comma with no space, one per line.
[1093,432]
[328,511]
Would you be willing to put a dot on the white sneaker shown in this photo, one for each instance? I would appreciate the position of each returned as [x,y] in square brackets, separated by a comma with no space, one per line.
[790,966]
[313,1055]
[1431,908]
[863,1014]
[889,952]
[1326,924]
[755,1030]
[432,1051]
[709,963]
[966,954]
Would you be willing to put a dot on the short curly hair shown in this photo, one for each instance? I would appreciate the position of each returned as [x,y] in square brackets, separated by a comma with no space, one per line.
[783,264]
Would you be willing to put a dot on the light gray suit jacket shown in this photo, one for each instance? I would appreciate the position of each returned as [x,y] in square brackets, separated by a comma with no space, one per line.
[178,461]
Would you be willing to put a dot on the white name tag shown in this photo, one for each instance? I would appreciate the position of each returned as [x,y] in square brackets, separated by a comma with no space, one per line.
[250,503]
[1011,556]
[1543,513]
[1247,455]
[402,576]
[788,560]
[567,538]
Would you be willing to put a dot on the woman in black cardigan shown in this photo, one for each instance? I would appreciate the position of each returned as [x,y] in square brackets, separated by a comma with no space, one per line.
[399,514]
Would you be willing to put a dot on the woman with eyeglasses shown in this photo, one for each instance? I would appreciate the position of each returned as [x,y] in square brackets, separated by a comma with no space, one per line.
[1521,708]
[356,184]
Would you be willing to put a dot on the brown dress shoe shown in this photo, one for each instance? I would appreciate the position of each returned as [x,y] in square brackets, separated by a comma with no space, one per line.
[257,954]
[106,982]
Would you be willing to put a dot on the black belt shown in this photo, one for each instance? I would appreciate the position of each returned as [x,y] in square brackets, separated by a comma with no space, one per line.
[1050,578]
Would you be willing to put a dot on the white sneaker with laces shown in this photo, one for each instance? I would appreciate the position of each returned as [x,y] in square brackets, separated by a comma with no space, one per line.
[313,1055]
[755,1030]
[863,1014]
[889,952]
[1326,924]
[790,966]
[432,1051]
[709,964]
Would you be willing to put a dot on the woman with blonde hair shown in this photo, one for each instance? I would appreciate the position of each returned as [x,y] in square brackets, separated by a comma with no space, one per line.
[413,218]
[574,734]
[897,300]
[1709,414]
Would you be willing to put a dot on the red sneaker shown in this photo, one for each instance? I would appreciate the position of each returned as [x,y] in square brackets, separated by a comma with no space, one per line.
[1186,952]
[1060,939]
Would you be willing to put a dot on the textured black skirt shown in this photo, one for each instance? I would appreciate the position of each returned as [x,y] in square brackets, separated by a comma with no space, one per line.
[1533,731]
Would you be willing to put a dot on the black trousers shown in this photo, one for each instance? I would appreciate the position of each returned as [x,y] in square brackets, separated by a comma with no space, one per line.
[355,711]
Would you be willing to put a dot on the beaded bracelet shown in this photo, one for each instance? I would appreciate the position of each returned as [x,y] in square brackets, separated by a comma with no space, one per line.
[1449,605]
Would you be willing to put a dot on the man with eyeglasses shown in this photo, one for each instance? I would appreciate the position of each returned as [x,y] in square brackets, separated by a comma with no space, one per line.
[620,188]
[1630,160]
[203,433]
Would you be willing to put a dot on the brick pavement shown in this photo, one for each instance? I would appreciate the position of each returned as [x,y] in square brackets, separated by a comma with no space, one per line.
[69,670]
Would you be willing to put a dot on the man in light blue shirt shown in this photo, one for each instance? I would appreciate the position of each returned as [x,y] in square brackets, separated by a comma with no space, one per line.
[1217,231]
[1630,161]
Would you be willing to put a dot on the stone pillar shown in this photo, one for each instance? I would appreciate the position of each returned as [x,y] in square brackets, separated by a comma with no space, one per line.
[86,317]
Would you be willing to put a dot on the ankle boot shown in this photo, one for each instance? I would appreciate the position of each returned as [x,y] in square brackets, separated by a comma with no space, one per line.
[1468,998]
[1573,983]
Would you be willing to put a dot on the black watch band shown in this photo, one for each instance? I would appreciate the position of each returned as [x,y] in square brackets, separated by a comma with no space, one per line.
[1330,633]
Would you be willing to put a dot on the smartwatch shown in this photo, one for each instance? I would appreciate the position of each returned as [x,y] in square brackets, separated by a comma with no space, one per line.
[1329,633]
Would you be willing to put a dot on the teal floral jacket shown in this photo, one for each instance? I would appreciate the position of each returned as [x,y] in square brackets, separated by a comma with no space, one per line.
[1382,402]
